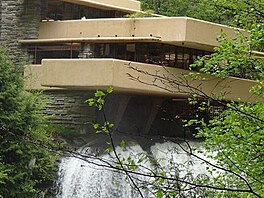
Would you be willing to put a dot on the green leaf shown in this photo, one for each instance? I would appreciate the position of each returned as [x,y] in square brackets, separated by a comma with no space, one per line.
[95,126]
[99,93]
[122,144]
[159,194]
[109,90]
[140,160]
[90,102]
[110,125]
[108,150]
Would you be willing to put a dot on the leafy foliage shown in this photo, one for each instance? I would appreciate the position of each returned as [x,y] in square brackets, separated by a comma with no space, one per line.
[234,57]
[99,98]
[26,167]
[238,141]
[237,135]
[201,9]
[238,13]
[146,13]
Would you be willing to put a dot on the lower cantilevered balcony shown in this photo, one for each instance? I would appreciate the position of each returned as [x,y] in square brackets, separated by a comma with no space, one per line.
[132,77]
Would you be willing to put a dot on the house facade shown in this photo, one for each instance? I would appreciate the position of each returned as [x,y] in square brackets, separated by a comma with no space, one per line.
[73,47]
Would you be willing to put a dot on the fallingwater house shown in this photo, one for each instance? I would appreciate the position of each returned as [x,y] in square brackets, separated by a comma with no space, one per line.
[73,47]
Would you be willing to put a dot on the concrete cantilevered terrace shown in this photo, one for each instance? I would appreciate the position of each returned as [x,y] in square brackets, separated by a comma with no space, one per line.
[181,31]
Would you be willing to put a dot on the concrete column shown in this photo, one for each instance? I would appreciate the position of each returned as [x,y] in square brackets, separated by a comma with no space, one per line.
[114,108]
[156,104]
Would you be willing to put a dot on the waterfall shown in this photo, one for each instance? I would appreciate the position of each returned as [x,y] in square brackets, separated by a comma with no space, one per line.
[171,155]
[84,176]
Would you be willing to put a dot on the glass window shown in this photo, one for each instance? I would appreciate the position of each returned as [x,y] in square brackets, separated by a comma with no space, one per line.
[169,55]
[66,50]
[131,51]
[102,50]
[180,57]
[118,51]
[142,52]
[186,58]
[155,53]
[152,53]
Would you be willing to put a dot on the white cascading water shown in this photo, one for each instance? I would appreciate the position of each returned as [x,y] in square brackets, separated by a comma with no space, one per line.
[88,178]
[170,154]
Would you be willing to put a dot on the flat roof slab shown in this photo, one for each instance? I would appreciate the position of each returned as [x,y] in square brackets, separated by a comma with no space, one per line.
[129,6]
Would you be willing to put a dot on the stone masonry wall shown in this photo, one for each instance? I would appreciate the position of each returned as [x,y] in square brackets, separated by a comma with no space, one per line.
[67,108]
[0,17]
[19,20]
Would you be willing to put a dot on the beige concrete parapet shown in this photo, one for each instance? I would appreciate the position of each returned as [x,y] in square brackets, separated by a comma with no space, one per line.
[87,74]
[128,6]
[33,75]
[93,40]
[182,31]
